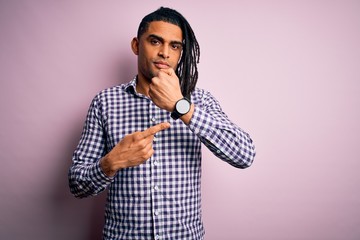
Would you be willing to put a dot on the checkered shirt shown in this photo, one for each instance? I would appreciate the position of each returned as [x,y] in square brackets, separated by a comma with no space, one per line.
[160,199]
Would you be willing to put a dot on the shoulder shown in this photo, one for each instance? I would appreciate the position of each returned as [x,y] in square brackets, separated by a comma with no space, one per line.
[108,97]
[200,95]
[204,99]
[111,93]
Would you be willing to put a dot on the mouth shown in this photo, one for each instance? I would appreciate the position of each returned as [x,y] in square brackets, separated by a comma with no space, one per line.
[161,64]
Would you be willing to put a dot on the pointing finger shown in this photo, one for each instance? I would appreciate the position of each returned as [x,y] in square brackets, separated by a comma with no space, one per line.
[155,129]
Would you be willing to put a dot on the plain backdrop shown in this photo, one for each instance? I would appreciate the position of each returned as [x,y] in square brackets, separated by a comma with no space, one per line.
[287,72]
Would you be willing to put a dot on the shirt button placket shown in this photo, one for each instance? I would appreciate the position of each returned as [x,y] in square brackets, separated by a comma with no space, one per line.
[156,212]
[154,177]
[152,114]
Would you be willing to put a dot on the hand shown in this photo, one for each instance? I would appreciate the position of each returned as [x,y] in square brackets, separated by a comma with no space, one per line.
[165,89]
[133,150]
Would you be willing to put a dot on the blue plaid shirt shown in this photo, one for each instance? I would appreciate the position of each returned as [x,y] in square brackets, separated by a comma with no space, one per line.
[159,199]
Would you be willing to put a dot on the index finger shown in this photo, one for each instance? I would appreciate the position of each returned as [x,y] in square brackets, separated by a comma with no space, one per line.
[155,129]
[169,71]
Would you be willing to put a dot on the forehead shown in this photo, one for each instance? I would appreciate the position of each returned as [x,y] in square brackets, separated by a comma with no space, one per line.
[167,31]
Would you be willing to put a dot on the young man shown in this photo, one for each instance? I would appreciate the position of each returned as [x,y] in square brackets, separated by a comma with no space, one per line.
[142,140]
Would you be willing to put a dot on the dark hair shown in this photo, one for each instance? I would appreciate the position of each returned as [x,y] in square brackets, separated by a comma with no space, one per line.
[187,67]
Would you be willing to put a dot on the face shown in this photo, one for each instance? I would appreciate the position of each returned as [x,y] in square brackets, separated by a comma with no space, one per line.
[158,48]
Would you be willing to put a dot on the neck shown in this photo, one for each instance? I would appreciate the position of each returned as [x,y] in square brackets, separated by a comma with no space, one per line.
[142,86]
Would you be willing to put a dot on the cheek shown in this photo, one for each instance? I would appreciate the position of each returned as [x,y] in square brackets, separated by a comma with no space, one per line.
[175,62]
[178,56]
[143,59]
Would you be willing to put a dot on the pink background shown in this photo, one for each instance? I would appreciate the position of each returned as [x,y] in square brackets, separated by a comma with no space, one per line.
[288,72]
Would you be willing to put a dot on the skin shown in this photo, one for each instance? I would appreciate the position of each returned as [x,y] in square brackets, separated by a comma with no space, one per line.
[158,50]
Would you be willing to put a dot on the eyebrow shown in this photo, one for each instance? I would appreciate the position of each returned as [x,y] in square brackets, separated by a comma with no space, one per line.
[162,39]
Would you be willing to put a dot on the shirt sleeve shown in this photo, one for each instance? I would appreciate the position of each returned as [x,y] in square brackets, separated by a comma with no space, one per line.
[86,177]
[222,137]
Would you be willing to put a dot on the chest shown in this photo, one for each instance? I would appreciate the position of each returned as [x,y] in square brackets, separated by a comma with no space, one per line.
[125,117]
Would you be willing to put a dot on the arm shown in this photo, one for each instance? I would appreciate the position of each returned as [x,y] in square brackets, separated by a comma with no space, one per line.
[133,150]
[91,171]
[222,137]
[86,177]
[206,119]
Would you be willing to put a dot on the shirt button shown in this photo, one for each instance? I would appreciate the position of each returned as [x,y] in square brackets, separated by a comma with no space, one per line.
[154,139]
[156,162]
[156,212]
[156,188]
[157,237]
[153,119]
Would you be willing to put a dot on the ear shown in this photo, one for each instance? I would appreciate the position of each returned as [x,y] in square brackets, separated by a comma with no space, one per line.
[135,45]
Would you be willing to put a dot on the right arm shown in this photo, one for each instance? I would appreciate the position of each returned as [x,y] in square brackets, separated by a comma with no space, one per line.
[86,177]
[133,150]
[91,171]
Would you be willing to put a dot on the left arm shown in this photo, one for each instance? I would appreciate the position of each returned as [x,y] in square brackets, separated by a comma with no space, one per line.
[222,137]
[207,120]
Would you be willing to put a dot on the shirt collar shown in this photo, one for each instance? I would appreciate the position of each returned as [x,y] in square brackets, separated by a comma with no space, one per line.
[130,87]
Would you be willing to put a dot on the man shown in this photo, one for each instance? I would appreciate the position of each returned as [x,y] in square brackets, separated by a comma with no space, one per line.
[142,140]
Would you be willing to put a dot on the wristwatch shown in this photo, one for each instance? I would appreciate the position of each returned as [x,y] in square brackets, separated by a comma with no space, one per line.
[182,107]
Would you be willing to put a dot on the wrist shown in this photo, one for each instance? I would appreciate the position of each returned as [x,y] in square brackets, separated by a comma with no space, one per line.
[181,108]
[106,166]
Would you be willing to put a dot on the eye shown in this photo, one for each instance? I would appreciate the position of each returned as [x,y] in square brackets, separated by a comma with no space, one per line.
[176,46]
[154,41]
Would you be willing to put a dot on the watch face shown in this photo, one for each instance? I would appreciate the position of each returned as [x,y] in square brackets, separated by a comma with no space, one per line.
[183,106]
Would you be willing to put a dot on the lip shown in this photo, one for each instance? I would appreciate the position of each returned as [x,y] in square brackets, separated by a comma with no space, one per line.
[161,64]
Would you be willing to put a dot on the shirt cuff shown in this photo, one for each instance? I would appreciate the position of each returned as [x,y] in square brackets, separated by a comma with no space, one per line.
[100,179]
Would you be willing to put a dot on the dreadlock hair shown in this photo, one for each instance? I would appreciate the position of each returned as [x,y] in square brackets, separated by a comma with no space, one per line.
[187,67]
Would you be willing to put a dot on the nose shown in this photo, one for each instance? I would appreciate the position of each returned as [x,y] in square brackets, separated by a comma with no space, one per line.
[164,52]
